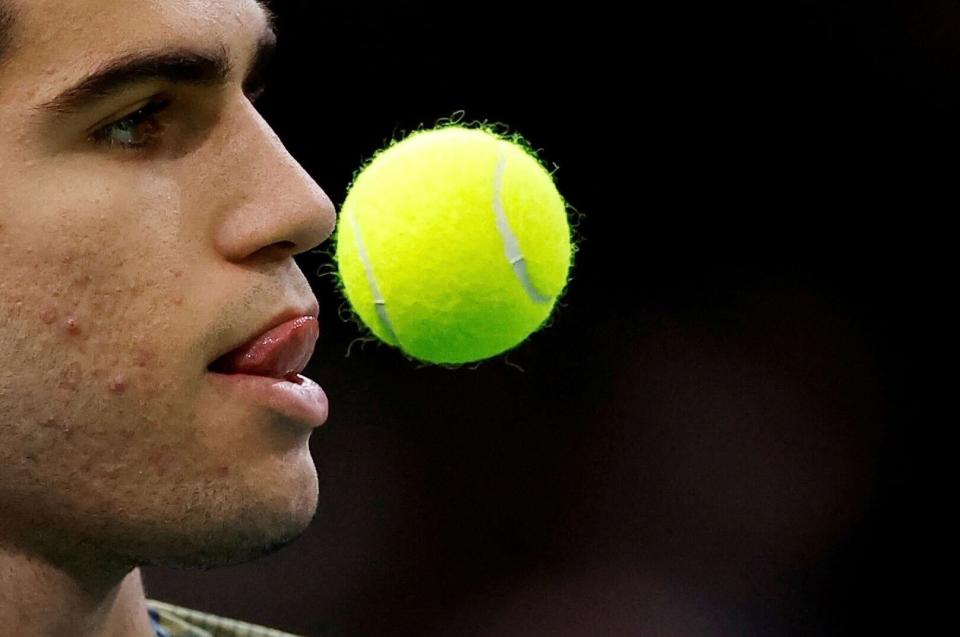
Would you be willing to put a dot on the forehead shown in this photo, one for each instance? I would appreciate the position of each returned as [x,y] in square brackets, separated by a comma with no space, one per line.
[62,39]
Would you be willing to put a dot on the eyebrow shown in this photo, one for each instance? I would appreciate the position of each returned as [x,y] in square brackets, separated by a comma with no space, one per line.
[175,66]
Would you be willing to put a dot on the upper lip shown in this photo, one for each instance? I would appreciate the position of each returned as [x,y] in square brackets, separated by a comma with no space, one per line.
[288,314]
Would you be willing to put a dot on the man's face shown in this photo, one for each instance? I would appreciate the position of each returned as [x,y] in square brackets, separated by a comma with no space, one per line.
[132,252]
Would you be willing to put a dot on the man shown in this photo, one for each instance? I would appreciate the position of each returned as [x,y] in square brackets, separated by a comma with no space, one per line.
[148,223]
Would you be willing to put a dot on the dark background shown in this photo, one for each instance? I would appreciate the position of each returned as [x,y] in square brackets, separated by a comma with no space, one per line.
[720,434]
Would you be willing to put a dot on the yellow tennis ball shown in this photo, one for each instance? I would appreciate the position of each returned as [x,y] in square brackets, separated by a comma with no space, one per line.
[453,245]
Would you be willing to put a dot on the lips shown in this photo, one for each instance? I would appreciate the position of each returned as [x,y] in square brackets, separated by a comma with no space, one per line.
[281,352]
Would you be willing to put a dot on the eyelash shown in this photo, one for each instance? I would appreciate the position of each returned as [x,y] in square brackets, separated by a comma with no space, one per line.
[145,114]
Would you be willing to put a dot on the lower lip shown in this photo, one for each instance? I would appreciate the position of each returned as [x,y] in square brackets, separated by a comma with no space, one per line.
[305,403]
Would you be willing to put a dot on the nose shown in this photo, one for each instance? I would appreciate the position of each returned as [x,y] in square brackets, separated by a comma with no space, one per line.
[273,206]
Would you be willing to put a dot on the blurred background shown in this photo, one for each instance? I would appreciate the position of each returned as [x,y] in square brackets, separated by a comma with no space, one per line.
[720,432]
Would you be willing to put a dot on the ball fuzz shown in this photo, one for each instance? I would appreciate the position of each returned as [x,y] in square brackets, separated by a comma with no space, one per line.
[453,245]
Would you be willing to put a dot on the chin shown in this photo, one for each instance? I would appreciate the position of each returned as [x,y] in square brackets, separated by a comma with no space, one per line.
[226,547]
[217,538]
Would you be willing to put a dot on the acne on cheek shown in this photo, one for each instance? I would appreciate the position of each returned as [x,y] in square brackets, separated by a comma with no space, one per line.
[72,326]
[115,379]
[67,321]
[118,377]
[70,315]
[143,356]
[118,383]
[77,330]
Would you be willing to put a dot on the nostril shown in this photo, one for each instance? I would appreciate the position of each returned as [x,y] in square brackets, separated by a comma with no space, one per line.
[283,246]
[278,249]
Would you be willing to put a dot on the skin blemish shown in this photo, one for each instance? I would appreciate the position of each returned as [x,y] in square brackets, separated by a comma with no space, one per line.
[223,471]
[72,326]
[118,384]
[176,273]
[143,356]
[178,300]
[48,315]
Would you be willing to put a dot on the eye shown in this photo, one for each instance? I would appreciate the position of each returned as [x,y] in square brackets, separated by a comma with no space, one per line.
[139,130]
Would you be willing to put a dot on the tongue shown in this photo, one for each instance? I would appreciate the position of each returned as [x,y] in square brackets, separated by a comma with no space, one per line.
[280,353]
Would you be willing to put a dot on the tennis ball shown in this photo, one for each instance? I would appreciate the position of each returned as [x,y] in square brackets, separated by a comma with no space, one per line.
[453,245]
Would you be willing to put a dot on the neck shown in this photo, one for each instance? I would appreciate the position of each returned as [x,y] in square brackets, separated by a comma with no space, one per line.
[40,599]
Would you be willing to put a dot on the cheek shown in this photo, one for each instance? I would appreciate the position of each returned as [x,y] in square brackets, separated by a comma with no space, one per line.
[92,296]
[86,323]
[92,352]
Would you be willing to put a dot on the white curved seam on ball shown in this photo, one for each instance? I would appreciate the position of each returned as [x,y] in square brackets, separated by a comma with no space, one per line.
[511,245]
[379,302]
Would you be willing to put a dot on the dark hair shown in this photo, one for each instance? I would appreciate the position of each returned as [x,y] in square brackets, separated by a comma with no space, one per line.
[6,27]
